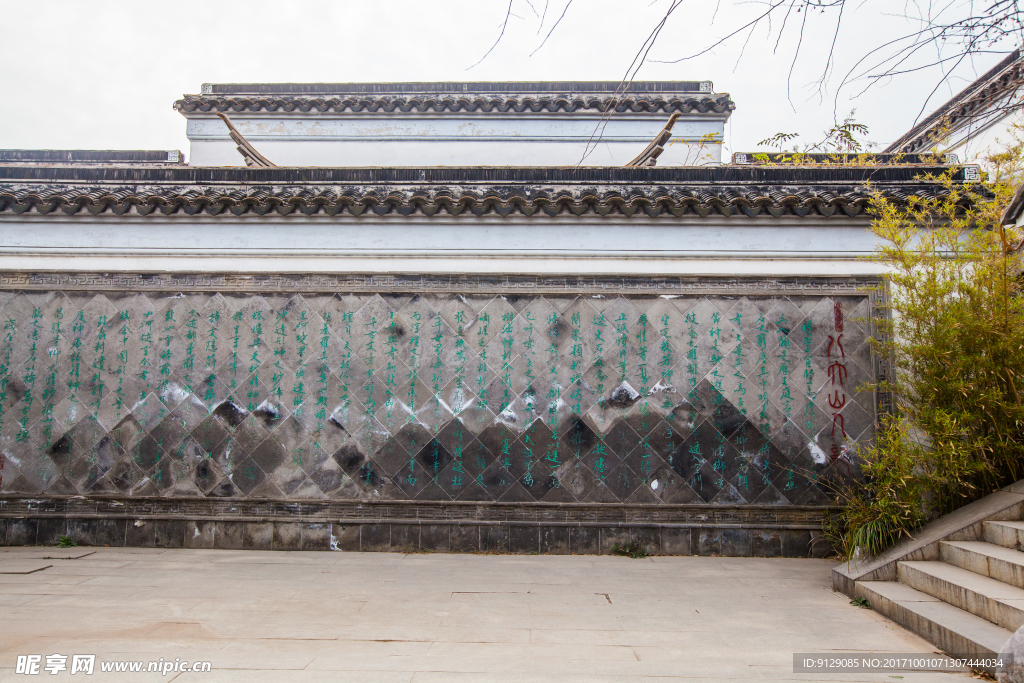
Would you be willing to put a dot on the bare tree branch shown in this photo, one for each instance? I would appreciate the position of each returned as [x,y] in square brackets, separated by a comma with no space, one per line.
[972,25]
[775,4]
[504,25]
[796,55]
[965,28]
[552,28]
[640,57]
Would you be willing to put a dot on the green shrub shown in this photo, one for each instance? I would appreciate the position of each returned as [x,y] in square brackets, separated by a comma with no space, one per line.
[634,549]
[954,330]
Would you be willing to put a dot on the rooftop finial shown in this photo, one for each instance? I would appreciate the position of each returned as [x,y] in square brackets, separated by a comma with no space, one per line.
[248,152]
[649,157]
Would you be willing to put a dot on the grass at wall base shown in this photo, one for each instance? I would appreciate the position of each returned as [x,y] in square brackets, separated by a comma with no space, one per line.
[955,331]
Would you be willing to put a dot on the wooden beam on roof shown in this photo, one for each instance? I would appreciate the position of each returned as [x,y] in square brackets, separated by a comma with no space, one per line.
[649,157]
[245,148]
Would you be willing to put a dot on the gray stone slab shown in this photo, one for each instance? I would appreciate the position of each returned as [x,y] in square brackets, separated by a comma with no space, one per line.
[965,524]
[945,626]
[352,616]
[982,596]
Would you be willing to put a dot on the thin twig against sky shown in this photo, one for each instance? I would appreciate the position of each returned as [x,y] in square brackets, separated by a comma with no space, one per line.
[620,90]
[504,25]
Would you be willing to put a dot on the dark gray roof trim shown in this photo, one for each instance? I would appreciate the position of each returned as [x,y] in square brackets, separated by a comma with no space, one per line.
[406,201]
[975,104]
[401,104]
[725,191]
[91,156]
[454,88]
[690,176]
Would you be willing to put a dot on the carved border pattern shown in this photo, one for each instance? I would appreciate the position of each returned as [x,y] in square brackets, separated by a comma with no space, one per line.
[13,506]
[496,284]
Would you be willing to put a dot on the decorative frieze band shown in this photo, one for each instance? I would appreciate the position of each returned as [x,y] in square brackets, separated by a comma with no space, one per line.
[410,512]
[410,283]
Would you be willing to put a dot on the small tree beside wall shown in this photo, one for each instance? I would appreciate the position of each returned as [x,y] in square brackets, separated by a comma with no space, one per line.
[955,332]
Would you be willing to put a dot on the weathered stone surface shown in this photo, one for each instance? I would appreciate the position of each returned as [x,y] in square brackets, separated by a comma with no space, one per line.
[287,536]
[435,396]
[258,536]
[554,540]
[169,533]
[965,524]
[584,540]
[524,539]
[494,539]
[1013,654]
[201,534]
[538,618]
[229,535]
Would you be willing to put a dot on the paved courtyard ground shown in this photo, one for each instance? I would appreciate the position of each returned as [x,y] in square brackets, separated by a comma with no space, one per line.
[383,617]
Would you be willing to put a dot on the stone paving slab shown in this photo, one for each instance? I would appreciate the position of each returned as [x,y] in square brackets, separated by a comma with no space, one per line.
[313,616]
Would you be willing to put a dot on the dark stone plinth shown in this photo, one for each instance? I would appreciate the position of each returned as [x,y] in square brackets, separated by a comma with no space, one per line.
[414,526]
[201,535]
[765,543]
[49,531]
[375,537]
[523,540]
[554,540]
[709,541]
[613,537]
[169,533]
[345,537]
[584,540]
[465,538]
[258,536]
[676,541]
[494,539]
[287,536]
[649,538]
[229,535]
[316,536]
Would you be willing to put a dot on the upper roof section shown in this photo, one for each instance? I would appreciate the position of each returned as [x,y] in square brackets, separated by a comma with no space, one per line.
[980,105]
[453,87]
[63,157]
[449,97]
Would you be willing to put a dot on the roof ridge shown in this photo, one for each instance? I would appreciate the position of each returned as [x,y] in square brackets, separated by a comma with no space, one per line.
[421,103]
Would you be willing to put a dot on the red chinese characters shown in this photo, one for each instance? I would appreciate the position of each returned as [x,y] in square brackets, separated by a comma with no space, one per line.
[837,372]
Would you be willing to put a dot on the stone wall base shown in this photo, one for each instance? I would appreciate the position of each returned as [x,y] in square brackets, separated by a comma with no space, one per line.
[412,526]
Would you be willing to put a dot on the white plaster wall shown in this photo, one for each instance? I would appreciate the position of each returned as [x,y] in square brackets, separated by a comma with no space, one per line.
[993,139]
[451,140]
[761,246]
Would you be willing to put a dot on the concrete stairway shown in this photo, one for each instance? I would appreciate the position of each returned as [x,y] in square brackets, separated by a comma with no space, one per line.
[969,600]
[958,582]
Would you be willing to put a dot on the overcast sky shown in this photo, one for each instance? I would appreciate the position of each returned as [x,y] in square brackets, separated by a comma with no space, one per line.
[103,74]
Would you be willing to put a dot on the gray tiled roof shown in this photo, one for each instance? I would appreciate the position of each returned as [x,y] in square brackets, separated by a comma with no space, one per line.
[427,102]
[666,191]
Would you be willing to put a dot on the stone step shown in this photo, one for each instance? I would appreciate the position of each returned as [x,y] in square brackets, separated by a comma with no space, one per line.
[949,628]
[1000,603]
[1006,534]
[987,559]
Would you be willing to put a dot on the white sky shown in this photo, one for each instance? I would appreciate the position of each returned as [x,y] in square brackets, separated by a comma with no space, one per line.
[103,74]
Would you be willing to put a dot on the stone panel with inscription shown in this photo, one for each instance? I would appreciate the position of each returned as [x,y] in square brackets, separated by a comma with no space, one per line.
[598,398]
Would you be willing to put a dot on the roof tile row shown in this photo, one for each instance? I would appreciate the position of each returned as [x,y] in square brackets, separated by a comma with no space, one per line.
[651,201]
[719,104]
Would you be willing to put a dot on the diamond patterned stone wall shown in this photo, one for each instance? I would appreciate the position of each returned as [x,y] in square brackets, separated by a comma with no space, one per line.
[591,398]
